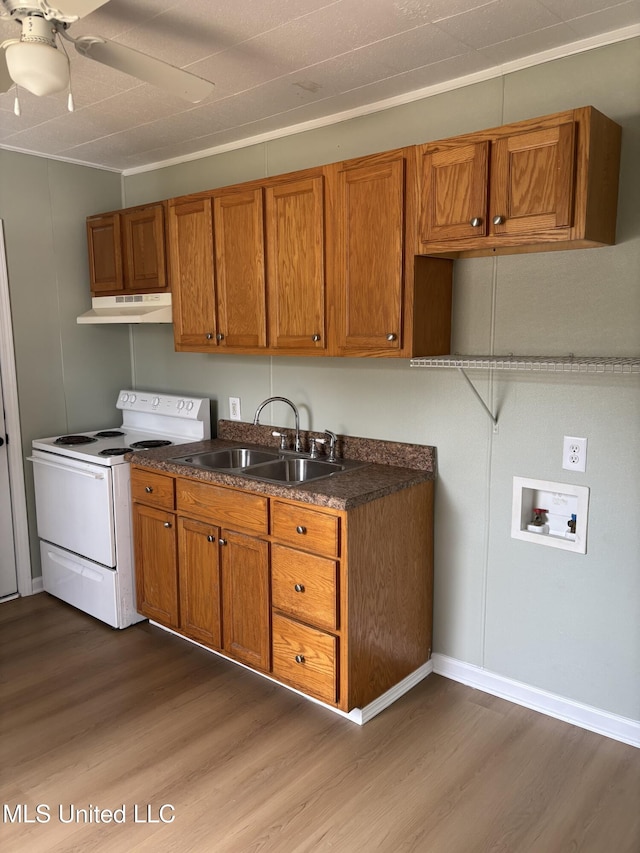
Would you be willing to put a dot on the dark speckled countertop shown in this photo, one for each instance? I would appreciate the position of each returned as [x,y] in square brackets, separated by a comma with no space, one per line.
[388,466]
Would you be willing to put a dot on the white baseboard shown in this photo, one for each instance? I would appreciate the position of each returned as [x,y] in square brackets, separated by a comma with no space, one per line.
[576,713]
[356,715]
[37,585]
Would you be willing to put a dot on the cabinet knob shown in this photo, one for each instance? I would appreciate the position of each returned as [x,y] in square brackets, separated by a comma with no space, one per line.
[211,538]
[299,587]
[315,338]
[476,222]
[392,336]
[498,220]
[301,529]
[222,541]
[219,336]
[299,658]
[148,489]
[167,524]
[209,336]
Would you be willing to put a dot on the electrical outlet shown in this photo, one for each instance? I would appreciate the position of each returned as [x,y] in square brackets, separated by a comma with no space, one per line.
[234,409]
[574,453]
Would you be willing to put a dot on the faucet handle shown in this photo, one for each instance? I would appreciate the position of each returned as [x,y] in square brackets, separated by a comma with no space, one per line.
[331,457]
[313,449]
[283,438]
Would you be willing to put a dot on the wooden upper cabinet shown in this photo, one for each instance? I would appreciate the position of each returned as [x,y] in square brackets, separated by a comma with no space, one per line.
[144,249]
[105,253]
[240,267]
[454,192]
[531,186]
[127,251]
[190,226]
[386,302]
[369,255]
[296,264]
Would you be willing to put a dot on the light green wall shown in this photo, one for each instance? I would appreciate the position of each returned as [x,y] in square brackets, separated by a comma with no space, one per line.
[68,375]
[555,620]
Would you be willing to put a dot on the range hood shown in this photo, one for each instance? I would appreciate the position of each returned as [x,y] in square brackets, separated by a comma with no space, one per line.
[135,308]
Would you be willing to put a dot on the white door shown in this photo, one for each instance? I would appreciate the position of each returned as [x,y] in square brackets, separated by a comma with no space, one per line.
[8,577]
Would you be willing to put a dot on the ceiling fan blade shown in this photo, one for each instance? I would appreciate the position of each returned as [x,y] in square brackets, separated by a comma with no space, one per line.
[62,10]
[5,80]
[154,71]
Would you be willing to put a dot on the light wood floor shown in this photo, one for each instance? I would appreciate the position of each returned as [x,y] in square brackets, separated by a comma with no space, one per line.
[94,718]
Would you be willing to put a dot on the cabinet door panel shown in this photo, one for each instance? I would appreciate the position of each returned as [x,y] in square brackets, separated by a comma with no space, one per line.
[454,192]
[156,564]
[296,271]
[105,253]
[200,604]
[246,604]
[532,181]
[371,257]
[192,273]
[144,260]
[239,241]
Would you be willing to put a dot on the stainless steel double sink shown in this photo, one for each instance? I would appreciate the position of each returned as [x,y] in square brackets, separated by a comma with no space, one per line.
[271,466]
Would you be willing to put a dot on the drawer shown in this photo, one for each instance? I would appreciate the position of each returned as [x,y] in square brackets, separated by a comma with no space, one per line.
[306,528]
[305,586]
[225,507]
[153,489]
[305,658]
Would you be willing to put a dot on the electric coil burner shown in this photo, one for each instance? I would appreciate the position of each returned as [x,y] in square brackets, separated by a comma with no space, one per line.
[83,502]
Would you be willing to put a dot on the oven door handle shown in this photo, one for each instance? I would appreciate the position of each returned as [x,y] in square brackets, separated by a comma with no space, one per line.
[48,464]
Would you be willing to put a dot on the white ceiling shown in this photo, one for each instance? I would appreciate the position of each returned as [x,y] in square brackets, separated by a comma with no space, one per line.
[281,63]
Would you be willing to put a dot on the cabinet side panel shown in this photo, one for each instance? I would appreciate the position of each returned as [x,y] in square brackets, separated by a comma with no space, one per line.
[433,290]
[599,142]
[390,591]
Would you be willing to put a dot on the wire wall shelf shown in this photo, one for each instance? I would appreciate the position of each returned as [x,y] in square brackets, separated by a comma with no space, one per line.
[539,363]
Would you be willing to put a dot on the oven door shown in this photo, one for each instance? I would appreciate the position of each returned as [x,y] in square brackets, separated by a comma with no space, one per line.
[74,506]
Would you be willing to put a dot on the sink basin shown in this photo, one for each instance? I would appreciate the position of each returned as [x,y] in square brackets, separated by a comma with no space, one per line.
[233,457]
[293,470]
[270,466]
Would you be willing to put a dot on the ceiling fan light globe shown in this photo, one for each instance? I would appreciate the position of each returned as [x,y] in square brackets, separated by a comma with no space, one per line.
[39,68]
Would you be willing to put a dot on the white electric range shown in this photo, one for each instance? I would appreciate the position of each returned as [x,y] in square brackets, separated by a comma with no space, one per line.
[83,501]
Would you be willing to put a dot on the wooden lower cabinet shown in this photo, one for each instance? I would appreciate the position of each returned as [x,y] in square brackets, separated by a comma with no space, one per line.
[334,603]
[199,580]
[154,536]
[245,595]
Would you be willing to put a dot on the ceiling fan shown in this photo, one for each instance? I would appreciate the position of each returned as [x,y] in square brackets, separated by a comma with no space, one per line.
[36,62]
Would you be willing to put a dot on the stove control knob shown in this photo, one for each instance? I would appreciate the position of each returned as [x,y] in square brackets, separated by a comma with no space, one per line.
[155,401]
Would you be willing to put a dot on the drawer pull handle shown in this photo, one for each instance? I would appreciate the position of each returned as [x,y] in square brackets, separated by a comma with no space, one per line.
[299,587]
[148,489]
[299,658]
[222,541]
[301,529]
[211,538]
[167,524]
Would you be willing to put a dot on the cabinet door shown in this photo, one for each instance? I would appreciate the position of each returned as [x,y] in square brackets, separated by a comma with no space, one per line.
[200,604]
[245,596]
[370,256]
[239,242]
[532,177]
[454,192]
[144,249]
[296,269]
[192,274]
[154,537]
[105,253]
